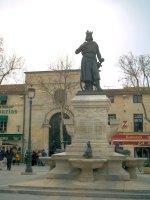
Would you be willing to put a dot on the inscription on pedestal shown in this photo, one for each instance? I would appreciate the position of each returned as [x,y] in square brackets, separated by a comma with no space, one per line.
[90,129]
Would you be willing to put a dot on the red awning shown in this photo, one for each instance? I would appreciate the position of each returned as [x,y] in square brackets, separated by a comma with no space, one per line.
[133,139]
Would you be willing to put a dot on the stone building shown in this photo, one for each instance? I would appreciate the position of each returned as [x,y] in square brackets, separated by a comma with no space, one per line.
[134,130]
[53,92]
[53,89]
[11,114]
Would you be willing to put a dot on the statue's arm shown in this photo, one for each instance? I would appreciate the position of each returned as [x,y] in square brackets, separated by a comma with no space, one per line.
[80,48]
[98,54]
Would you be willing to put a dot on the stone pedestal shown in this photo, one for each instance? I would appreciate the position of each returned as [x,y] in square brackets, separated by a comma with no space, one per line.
[90,124]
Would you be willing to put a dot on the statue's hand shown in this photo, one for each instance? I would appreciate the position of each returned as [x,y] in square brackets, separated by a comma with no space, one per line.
[102,60]
[77,51]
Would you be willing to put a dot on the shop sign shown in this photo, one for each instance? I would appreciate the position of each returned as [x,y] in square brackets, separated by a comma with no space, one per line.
[134,139]
[131,142]
[10,136]
[7,109]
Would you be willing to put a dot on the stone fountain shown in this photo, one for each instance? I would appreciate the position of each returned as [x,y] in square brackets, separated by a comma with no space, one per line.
[90,123]
[89,167]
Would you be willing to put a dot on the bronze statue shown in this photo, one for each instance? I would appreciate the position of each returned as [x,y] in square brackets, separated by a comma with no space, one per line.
[88,152]
[120,150]
[89,65]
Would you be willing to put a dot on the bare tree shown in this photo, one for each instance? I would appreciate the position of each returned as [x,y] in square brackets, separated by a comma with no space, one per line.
[136,73]
[59,87]
[10,67]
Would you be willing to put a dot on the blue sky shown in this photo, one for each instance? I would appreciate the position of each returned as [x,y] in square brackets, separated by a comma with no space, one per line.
[41,31]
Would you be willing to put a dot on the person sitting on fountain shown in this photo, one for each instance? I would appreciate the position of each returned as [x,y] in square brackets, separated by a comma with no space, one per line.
[88,152]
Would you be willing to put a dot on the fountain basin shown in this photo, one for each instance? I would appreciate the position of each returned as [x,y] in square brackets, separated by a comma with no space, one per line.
[87,163]
[132,164]
[48,161]
[87,166]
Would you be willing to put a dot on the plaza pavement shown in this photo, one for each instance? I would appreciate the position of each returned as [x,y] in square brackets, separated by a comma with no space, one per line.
[15,179]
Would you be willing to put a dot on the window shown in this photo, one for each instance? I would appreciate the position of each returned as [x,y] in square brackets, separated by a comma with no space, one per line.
[3,127]
[3,100]
[137,98]
[111,117]
[138,123]
[3,123]
[111,99]
[142,152]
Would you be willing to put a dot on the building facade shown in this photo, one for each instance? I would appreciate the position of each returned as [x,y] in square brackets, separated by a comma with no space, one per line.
[12,99]
[54,90]
[133,130]
[53,93]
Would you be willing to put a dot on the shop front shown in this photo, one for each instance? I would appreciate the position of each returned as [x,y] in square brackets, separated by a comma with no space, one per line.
[138,144]
[11,141]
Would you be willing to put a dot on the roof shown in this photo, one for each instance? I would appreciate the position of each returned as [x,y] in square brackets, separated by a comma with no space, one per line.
[52,71]
[17,89]
[127,91]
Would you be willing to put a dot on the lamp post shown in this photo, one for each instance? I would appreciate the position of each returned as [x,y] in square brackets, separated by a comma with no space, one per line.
[31,95]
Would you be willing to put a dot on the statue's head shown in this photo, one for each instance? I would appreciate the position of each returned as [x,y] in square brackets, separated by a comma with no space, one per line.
[88,144]
[89,36]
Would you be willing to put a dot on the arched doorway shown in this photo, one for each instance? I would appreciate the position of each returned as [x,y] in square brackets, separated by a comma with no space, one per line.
[54,133]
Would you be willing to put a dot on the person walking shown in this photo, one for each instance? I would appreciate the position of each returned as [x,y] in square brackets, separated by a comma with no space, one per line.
[9,156]
[17,158]
[44,154]
[1,158]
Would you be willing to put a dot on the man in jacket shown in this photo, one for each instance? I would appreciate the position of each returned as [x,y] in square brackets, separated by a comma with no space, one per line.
[1,158]
[9,156]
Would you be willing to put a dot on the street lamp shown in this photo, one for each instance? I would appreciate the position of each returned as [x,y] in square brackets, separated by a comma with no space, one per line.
[31,95]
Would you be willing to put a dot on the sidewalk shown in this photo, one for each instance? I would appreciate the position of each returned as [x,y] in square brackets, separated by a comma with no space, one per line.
[38,187]
[15,176]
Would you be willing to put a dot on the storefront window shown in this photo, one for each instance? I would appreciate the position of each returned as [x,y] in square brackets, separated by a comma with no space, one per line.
[3,127]
[3,123]
[142,152]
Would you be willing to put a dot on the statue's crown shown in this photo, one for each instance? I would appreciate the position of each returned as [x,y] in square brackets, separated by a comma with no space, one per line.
[89,32]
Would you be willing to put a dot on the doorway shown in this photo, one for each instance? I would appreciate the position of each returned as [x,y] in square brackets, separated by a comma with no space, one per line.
[54,134]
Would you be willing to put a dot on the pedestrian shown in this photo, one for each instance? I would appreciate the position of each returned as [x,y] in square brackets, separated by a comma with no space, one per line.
[44,154]
[34,158]
[9,156]
[25,157]
[1,158]
[14,159]
[17,158]
[39,162]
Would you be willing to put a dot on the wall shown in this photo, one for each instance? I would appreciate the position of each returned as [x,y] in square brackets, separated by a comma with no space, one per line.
[44,105]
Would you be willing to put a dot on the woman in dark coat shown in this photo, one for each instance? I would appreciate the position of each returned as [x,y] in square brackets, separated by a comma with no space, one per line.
[9,156]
